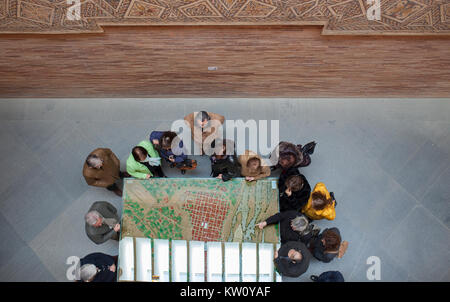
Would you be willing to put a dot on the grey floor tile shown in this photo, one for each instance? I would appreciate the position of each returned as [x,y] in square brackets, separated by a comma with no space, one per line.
[264,109]
[363,145]
[147,109]
[42,136]
[411,109]
[421,246]
[446,278]
[45,109]
[231,109]
[396,155]
[435,131]
[16,161]
[12,109]
[390,270]
[65,161]
[24,266]
[411,279]
[376,135]
[87,109]
[423,168]
[11,241]
[437,198]
[392,205]
[31,204]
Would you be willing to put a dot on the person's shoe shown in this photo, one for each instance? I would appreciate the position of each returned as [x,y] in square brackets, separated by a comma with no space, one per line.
[118,192]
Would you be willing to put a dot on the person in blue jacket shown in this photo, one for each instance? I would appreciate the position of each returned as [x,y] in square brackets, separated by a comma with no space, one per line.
[162,141]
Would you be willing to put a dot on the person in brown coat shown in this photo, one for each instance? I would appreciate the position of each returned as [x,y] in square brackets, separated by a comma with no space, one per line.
[102,169]
[204,127]
[252,167]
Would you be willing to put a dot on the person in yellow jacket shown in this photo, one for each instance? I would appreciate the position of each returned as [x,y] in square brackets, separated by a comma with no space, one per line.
[321,204]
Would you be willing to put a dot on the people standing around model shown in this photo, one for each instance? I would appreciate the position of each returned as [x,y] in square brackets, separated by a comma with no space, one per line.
[321,204]
[292,259]
[328,245]
[102,222]
[252,166]
[294,192]
[98,267]
[224,165]
[204,128]
[294,226]
[171,148]
[102,169]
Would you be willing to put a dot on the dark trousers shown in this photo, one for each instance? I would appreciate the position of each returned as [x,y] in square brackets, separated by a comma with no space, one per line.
[114,185]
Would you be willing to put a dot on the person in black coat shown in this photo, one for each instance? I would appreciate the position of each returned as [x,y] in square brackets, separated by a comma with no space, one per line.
[98,267]
[325,247]
[294,226]
[292,259]
[294,190]
[225,166]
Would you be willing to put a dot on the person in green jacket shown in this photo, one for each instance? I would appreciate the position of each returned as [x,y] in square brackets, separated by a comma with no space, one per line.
[144,161]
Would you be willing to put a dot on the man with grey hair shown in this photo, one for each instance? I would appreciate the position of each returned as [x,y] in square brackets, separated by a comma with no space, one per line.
[102,169]
[102,222]
[98,267]
[294,226]
[88,272]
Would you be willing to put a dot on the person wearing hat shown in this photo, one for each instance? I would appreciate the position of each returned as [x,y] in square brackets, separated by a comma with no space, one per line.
[294,226]
[292,259]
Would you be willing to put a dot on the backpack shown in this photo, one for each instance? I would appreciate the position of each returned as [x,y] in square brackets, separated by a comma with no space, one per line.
[330,276]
